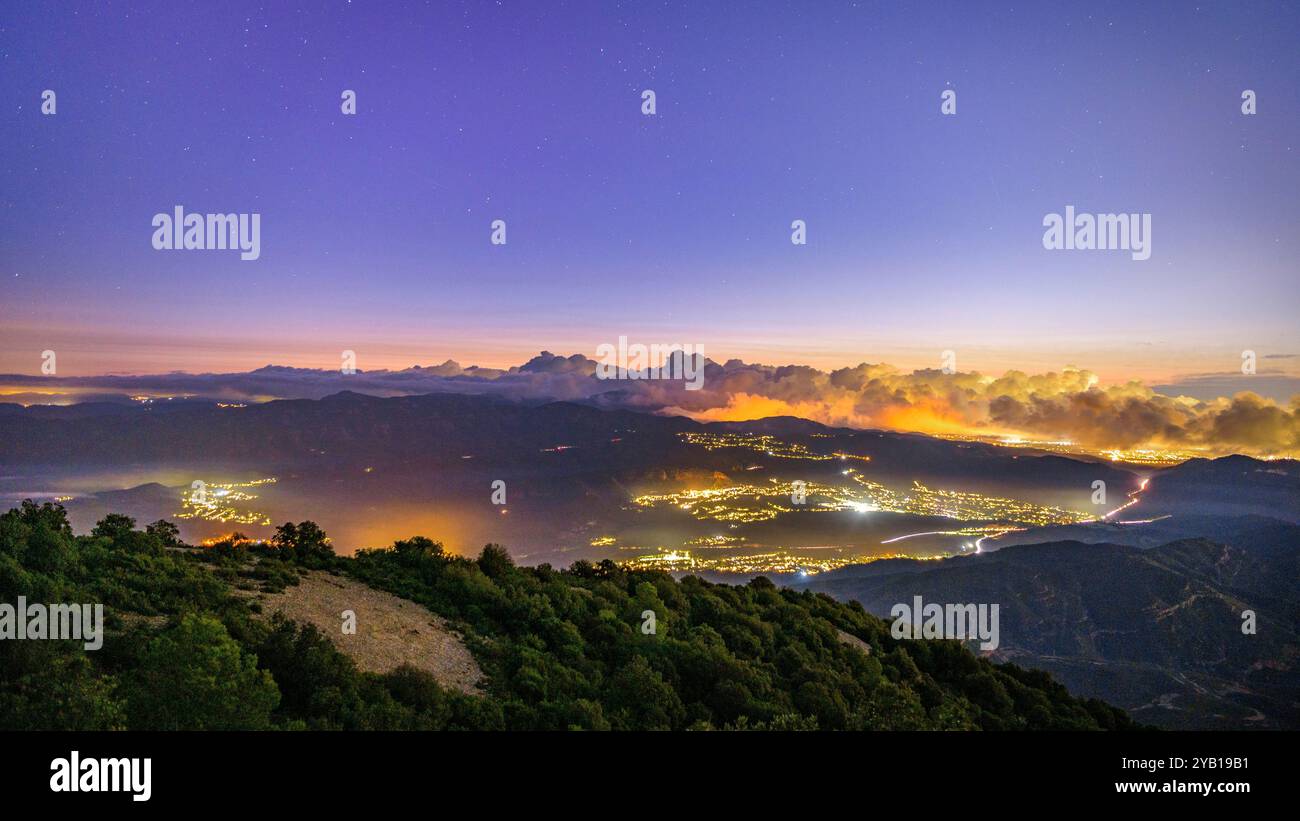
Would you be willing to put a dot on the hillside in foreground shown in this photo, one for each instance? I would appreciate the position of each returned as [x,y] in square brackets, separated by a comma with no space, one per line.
[188,646]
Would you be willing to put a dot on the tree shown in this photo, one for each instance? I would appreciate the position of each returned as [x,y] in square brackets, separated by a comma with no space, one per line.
[50,549]
[304,542]
[318,683]
[417,550]
[165,532]
[641,700]
[114,526]
[194,676]
[61,693]
[47,514]
[495,561]
[37,536]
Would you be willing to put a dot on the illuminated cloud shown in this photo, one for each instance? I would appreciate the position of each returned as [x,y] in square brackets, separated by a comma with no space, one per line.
[1065,405]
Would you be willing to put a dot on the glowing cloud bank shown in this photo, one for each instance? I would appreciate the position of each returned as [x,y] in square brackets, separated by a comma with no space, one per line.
[1066,405]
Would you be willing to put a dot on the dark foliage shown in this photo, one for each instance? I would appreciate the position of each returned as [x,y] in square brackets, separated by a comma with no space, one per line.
[562,649]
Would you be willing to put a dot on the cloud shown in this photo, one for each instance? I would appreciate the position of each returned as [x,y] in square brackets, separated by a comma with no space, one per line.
[1069,404]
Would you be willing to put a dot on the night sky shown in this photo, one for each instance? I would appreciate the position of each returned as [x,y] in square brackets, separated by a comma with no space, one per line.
[924,230]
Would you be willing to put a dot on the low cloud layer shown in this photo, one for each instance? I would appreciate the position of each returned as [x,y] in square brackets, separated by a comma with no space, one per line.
[1065,405]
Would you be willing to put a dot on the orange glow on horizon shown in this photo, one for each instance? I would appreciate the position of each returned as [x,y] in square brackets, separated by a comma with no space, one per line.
[743,407]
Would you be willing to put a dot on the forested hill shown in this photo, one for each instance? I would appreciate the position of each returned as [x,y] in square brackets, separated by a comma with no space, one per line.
[187,648]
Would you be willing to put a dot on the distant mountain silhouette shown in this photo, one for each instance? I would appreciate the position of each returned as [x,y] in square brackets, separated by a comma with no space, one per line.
[342,426]
[432,429]
[1231,485]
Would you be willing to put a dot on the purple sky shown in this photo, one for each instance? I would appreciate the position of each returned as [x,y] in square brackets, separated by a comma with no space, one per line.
[924,231]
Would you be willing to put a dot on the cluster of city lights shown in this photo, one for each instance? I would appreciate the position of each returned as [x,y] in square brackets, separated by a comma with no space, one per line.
[224,502]
[776,561]
[766,445]
[1151,457]
[966,506]
[747,503]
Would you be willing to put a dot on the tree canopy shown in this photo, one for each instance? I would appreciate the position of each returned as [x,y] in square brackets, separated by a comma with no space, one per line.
[187,648]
